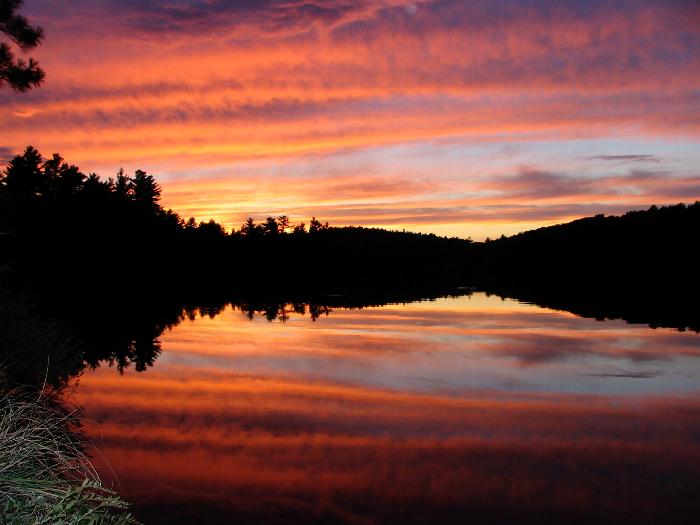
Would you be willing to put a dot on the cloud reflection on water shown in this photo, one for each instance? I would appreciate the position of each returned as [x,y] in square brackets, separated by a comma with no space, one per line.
[371,417]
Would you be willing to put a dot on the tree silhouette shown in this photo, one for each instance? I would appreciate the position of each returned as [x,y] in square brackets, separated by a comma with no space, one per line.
[123,186]
[191,224]
[18,74]
[146,190]
[316,225]
[211,229]
[23,173]
[283,222]
[64,179]
[94,189]
[249,228]
[270,227]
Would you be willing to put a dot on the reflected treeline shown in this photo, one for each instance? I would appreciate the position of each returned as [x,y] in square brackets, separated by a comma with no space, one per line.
[37,348]
[49,346]
[632,309]
[655,310]
[282,311]
[270,311]
[51,341]
[280,307]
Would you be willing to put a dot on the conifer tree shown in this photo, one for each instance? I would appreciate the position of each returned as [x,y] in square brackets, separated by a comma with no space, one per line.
[19,74]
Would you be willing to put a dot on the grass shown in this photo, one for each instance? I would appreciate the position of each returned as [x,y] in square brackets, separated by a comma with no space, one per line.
[45,477]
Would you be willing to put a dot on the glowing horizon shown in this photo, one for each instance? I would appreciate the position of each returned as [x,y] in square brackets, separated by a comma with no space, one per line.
[467,119]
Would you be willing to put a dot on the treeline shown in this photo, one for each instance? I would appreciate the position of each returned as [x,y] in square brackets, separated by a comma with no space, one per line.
[74,235]
[66,230]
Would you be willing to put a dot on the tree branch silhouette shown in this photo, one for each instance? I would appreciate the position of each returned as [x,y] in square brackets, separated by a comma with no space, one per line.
[19,74]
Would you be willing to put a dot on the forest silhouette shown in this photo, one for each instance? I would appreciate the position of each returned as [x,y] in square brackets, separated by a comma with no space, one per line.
[63,228]
[102,261]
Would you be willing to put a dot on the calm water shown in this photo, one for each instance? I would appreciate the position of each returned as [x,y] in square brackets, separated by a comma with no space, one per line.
[461,410]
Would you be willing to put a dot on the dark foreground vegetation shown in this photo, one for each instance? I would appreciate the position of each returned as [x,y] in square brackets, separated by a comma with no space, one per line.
[99,266]
[45,475]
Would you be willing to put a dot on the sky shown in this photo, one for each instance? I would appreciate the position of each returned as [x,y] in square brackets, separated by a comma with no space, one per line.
[462,118]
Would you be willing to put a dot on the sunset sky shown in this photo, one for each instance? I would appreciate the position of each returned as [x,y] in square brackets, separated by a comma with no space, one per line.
[467,118]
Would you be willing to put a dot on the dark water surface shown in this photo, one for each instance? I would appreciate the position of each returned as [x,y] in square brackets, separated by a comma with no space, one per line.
[459,410]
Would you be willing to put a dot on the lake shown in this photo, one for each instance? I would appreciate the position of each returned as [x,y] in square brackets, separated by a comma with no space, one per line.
[468,409]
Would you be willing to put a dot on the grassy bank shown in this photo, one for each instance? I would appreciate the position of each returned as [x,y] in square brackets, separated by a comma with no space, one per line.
[45,476]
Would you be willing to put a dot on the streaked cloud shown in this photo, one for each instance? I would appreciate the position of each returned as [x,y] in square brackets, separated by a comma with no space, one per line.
[626,158]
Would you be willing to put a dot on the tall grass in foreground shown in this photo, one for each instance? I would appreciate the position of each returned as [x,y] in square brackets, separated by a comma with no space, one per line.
[45,477]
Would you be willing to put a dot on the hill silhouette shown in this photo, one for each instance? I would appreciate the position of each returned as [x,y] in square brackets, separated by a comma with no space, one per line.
[653,249]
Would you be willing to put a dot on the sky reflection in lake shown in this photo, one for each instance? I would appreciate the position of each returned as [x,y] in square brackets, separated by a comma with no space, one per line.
[459,410]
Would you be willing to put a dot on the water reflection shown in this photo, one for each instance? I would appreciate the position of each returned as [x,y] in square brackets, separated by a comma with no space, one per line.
[460,410]
[124,335]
